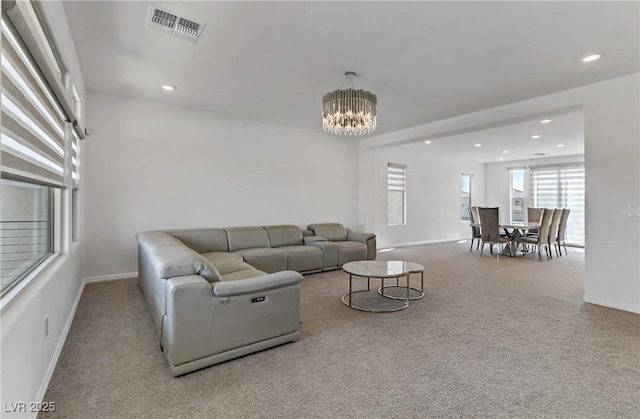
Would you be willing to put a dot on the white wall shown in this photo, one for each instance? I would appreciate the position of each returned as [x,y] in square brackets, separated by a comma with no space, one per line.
[612,167]
[498,181]
[155,166]
[433,195]
[28,356]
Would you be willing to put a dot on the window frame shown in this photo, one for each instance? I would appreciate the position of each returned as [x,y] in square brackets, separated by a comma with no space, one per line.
[464,215]
[396,188]
[524,193]
[53,228]
[40,111]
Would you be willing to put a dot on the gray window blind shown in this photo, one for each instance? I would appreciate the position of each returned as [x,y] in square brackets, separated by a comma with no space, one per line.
[32,132]
[561,187]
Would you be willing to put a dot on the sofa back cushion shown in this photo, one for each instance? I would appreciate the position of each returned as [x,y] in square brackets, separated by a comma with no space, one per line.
[203,240]
[246,238]
[179,260]
[331,231]
[284,235]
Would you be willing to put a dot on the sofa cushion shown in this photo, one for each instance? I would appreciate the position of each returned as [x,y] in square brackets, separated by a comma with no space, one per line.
[203,240]
[243,274]
[303,258]
[265,259]
[213,257]
[179,260]
[331,231]
[240,238]
[229,265]
[284,235]
[351,251]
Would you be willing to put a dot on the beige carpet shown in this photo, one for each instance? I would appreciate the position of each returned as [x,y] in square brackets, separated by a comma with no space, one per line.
[496,339]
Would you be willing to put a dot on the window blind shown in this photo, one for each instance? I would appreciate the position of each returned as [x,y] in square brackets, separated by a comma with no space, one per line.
[32,132]
[396,177]
[562,187]
[75,160]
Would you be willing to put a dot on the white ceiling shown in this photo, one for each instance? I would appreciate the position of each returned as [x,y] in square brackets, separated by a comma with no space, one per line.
[566,129]
[426,61]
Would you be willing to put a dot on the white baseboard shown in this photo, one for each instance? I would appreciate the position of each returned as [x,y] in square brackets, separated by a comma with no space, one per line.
[115,277]
[421,242]
[610,303]
[56,354]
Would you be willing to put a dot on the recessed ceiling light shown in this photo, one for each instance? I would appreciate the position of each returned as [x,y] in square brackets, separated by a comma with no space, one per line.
[536,136]
[505,151]
[168,87]
[477,145]
[560,145]
[545,121]
[427,142]
[591,57]
[500,158]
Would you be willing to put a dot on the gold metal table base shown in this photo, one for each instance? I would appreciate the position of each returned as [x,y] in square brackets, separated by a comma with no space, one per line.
[419,291]
[348,301]
[368,310]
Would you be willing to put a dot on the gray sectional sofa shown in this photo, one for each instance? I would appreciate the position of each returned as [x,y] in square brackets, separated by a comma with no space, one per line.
[219,293]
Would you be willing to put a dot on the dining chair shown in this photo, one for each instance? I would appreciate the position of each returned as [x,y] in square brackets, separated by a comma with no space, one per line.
[542,239]
[490,229]
[475,230]
[533,216]
[553,229]
[562,231]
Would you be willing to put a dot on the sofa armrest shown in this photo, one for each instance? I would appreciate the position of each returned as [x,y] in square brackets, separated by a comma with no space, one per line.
[366,238]
[256,284]
[314,239]
[359,237]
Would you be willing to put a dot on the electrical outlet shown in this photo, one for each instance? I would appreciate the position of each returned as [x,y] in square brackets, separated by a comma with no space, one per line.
[46,326]
[634,210]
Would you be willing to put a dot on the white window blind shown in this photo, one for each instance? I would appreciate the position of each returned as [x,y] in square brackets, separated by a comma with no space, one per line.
[32,133]
[561,187]
[396,193]
[75,159]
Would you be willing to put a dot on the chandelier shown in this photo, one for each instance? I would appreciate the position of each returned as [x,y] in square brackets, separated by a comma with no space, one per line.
[349,111]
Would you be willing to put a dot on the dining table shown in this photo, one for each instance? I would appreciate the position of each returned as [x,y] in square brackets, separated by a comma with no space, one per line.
[514,230]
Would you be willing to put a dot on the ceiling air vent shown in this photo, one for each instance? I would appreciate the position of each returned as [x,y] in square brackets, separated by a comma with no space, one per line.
[177,26]
[539,154]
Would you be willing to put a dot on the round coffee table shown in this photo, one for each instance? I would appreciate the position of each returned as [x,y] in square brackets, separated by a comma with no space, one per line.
[382,270]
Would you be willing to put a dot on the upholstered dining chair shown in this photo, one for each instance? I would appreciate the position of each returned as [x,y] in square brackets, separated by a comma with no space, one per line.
[542,239]
[490,229]
[553,229]
[561,240]
[475,230]
[533,216]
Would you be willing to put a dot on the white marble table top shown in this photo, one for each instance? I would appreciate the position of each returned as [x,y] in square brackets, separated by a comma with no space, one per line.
[381,268]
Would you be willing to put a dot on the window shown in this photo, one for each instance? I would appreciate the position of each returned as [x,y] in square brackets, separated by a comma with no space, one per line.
[561,187]
[517,195]
[396,194]
[25,228]
[32,135]
[465,197]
